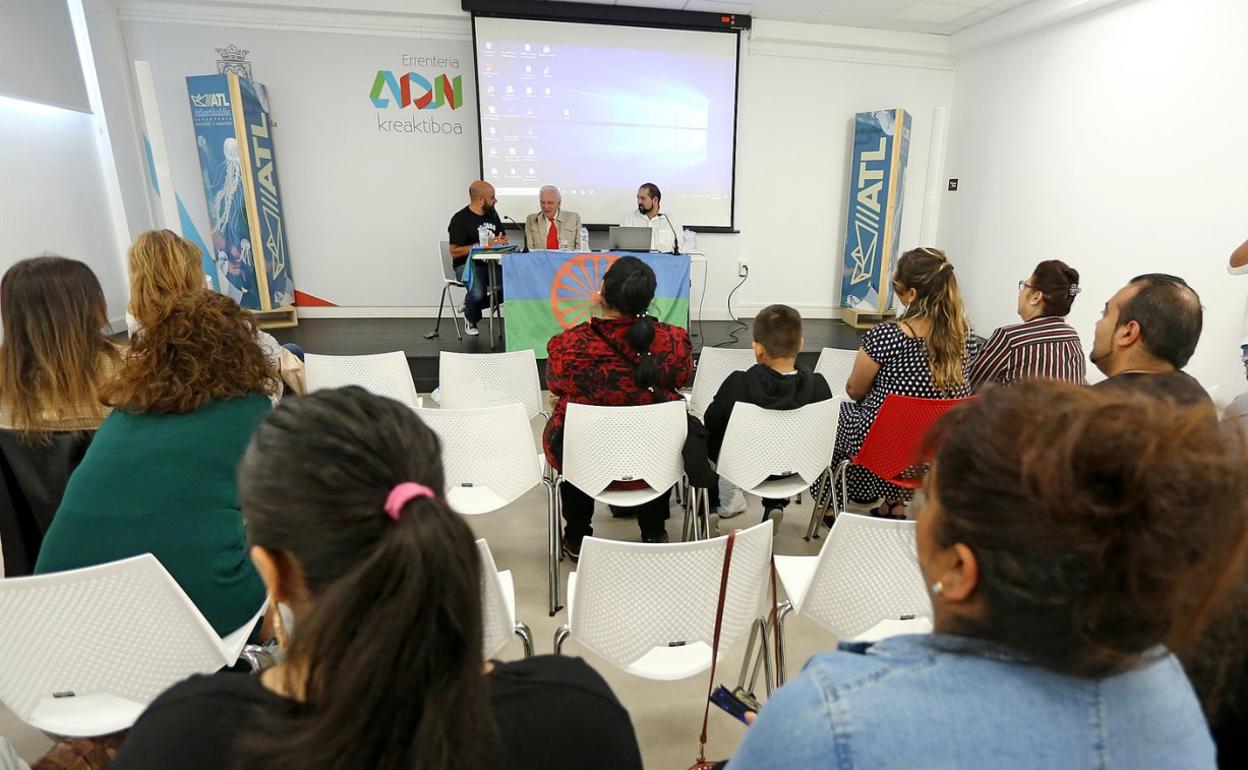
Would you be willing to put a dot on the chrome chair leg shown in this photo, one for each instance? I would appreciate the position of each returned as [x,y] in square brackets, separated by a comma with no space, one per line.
[704,513]
[553,544]
[748,662]
[690,529]
[769,676]
[526,638]
[561,636]
[782,675]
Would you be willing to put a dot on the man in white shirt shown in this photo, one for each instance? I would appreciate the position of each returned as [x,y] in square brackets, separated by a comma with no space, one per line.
[552,225]
[662,229]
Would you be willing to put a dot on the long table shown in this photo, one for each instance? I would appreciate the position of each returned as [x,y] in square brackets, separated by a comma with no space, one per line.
[548,291]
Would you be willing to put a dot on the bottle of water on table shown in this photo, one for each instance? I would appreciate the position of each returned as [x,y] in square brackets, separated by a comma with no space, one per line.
[483,235]
[584,245]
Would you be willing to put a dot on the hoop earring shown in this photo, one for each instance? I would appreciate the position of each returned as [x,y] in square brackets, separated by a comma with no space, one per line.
[938,588]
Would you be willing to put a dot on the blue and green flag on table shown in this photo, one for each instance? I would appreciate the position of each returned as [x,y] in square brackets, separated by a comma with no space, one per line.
[549,291]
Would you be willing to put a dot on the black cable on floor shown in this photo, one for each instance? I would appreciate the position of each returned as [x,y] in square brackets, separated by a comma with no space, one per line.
[740,325]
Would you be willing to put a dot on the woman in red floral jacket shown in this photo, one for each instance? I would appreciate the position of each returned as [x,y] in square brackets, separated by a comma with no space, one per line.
[624,358]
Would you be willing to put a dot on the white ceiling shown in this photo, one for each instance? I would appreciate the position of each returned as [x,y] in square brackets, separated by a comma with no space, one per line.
[941,17]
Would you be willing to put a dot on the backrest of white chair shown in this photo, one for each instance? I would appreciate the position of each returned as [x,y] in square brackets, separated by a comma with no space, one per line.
[836,365]
[763,442]
[602,444]
[491,447]
[445,260]
[383,374]
[125,628]
[868,571]
[472,380]
[714,366]
[631,597]
[499,625]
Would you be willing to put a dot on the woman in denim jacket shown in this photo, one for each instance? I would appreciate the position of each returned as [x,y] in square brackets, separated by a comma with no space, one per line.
[1073,541]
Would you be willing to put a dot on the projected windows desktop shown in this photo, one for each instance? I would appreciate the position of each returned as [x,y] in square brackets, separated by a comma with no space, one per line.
[597,110]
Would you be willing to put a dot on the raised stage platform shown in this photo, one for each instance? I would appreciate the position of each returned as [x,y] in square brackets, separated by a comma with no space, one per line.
[358,336]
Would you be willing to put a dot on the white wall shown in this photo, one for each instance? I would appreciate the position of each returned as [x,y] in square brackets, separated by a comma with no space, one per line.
[52,194]
[38,61]
[799,88]
[118,108]
[1114,143]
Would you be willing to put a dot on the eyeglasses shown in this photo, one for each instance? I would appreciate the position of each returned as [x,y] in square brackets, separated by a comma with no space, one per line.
[1024,285]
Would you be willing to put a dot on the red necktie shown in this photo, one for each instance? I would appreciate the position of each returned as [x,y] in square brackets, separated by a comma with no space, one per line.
[552,237]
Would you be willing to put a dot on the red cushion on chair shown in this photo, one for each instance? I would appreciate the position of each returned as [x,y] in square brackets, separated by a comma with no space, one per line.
[892,443]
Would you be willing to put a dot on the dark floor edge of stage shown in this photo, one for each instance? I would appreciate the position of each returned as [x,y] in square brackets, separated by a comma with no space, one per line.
[360,336]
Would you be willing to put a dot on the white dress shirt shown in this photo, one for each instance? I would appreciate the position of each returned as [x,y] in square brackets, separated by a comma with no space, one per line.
[663,229]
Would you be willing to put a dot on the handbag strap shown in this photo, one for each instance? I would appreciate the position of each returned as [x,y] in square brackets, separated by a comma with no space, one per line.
[719,620]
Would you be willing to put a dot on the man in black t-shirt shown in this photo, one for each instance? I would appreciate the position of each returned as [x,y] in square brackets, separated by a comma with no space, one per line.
[463,235]
[1145,336]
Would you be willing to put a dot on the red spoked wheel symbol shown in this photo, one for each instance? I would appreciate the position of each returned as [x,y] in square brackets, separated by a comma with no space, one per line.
[576,286]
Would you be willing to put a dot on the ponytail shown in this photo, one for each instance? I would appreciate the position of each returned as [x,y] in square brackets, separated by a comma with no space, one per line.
[629,287]
[930,273]
[388,652]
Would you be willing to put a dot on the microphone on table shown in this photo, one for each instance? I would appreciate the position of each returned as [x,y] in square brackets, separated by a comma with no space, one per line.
[524,243]
[675,238]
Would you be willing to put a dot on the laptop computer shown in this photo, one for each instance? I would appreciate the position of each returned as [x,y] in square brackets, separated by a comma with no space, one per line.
[629,238]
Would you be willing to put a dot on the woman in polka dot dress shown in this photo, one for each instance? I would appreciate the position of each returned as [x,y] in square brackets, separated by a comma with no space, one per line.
[926,353]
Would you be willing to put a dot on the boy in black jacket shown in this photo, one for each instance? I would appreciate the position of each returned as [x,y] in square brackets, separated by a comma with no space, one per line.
[775,382]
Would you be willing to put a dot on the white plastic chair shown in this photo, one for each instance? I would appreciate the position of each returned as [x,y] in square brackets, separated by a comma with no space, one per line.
[605,444]
[449,281]
[382,374]
[714,366]
[864,584]
[498,607]
[649,609]
[836,365]
[490,460]
[86,650]
[796,444]
[471,380]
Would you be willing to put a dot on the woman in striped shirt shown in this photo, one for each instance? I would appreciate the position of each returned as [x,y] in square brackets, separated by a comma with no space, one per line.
[1043,345]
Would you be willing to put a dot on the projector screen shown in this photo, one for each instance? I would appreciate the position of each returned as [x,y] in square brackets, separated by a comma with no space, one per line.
[598,109]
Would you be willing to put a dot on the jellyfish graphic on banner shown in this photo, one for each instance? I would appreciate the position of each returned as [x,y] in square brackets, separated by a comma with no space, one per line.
[236,160]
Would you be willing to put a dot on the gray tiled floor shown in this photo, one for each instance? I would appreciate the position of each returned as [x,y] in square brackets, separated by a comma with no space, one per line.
[666,715]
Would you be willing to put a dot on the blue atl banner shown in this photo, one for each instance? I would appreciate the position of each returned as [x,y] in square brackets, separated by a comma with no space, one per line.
[873,230]
[248,236]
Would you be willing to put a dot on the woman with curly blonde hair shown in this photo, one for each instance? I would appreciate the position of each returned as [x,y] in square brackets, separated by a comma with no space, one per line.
[159,476]
[163,266]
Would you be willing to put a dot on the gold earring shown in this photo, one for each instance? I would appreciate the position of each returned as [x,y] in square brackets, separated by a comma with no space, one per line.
[279,627]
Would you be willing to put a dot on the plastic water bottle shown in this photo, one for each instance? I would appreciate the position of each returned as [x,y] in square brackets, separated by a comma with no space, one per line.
[483,235]
[584,239]
[690,244]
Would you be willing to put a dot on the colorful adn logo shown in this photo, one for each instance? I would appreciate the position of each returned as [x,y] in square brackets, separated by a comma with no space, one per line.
[412,89]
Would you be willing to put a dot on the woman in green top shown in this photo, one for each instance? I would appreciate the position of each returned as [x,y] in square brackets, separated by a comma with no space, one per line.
[160,475]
